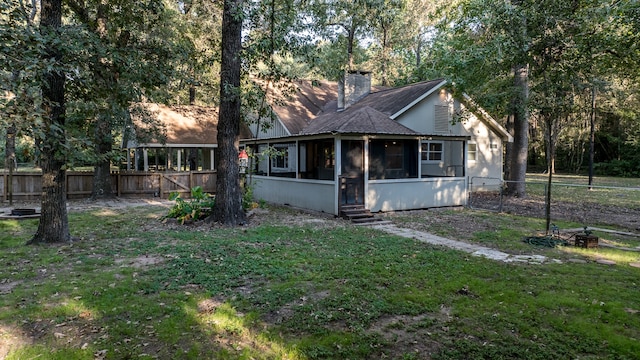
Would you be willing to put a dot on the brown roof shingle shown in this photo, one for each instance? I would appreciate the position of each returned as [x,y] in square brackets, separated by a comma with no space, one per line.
[299,102]
[179,124]
[356,120]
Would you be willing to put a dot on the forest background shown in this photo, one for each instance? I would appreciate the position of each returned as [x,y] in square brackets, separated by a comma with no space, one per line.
[581,58]
[562,76]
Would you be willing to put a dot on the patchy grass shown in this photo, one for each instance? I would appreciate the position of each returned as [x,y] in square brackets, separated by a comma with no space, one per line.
[136,288]
[623,192]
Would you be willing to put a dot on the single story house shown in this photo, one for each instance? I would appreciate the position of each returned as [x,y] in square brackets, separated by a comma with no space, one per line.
[172,138]
[411,147]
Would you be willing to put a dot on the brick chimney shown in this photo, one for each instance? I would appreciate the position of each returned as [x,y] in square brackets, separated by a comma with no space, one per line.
[352,87]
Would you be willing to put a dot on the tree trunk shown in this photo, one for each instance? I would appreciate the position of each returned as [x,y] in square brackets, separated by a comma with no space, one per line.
[550,156]
[103,137]
[54,225]
[228,206]
[102,170]
[592,134]
[518,160]
[10,158]
[418,51]
[508,152]
[385,57]
[350,39]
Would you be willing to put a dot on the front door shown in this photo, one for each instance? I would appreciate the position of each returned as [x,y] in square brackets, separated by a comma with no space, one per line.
[352,174]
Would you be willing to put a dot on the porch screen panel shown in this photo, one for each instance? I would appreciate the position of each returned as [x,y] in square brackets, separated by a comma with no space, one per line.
[393,159]
[318,160]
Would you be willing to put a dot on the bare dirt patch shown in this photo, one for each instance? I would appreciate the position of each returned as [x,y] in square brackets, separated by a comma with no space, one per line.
[140,261]
[587,213]
[412,334]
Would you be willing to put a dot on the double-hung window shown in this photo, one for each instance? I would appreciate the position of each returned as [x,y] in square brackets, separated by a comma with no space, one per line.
[472,151]
[432,151]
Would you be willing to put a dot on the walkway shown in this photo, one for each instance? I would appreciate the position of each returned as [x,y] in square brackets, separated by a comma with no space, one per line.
[475,250]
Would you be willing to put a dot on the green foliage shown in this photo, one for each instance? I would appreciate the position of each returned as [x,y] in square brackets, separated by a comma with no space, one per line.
[196,208]
[247,198]
[622,168]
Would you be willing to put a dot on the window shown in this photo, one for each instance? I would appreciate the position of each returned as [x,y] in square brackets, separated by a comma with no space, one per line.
[284,159]
[432,151]
[394,155]
[393,159]
[472,151]
[494,146]
[281,161]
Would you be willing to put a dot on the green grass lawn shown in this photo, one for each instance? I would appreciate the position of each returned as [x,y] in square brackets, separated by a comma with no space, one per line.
[623,192]
[134,288]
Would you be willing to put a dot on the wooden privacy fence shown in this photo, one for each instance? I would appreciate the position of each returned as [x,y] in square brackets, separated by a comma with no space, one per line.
[28,185]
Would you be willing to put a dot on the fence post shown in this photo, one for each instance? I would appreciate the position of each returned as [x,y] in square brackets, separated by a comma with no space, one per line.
[4,191]
[118,186]
[501,196]
[161,194]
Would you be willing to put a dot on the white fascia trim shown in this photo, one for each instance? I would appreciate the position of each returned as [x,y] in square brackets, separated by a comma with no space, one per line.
[422,97]
[169,146]
[489,119]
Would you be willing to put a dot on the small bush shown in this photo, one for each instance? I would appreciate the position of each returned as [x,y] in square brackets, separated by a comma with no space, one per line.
[196,208]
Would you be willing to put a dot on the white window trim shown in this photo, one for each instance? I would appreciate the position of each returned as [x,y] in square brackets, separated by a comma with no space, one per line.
[475,151]
[424,148]
[289,159]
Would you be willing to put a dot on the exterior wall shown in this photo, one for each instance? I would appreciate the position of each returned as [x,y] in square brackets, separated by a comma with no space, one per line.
[489,162]
[276,130]
[421,117]
[489,152]
[396,195]
[318,195]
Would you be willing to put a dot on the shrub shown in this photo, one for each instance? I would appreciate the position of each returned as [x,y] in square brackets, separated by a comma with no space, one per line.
[622,168]
[196,208]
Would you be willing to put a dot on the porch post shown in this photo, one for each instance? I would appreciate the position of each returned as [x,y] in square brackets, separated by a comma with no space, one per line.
[179,159]
[419,158]
[136,159]
[365,173]
[145,159]
[337,173]
[297,159]
[212,159]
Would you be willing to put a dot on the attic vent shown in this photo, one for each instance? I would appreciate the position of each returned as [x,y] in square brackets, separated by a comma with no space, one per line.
[441,124]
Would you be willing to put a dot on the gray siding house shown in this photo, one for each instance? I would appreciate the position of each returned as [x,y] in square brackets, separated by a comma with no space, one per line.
[411,147]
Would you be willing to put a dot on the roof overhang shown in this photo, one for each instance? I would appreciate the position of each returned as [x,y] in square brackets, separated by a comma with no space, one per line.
[417,100]
[489,120]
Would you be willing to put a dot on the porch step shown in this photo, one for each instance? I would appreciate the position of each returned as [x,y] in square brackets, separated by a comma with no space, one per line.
[359,215]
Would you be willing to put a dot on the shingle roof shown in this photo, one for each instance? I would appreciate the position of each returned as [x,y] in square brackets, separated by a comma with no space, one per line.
[391,101]
[370,115]
[360,120]
[302,101]
[180,124]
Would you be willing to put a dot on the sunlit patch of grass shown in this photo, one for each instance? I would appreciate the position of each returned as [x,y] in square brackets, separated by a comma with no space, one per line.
[63,353]
[65,307]
[619,256]
[239,333]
